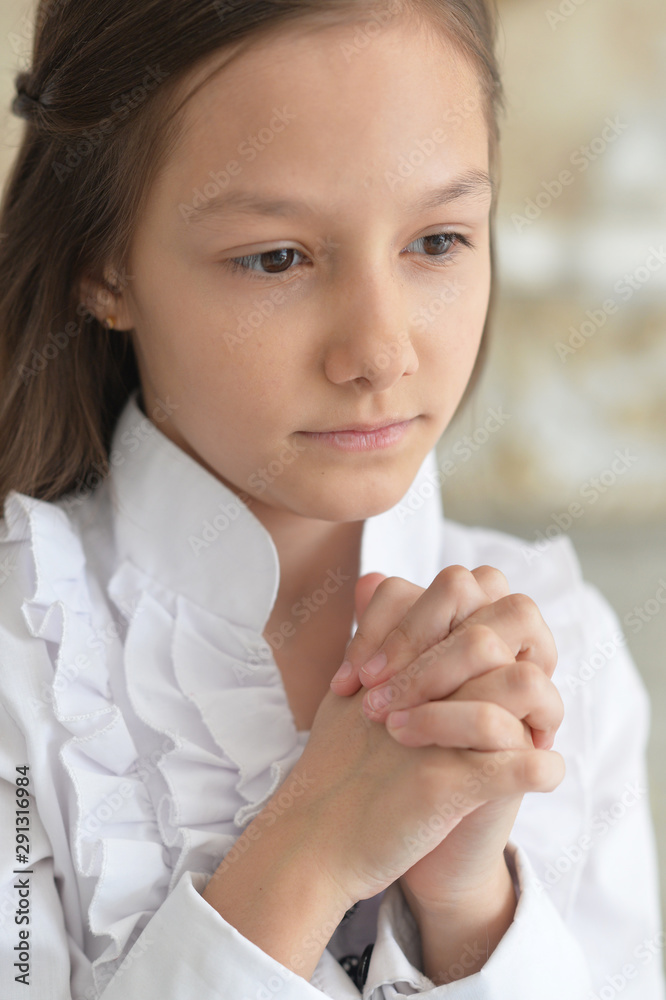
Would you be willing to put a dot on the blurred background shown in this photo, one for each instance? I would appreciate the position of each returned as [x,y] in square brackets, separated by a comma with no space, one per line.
[578,358]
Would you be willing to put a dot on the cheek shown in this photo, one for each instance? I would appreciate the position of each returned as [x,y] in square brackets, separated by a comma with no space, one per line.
[452,339]
[208,355]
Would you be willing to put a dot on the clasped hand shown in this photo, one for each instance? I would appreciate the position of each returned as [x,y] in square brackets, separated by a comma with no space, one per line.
[462,664]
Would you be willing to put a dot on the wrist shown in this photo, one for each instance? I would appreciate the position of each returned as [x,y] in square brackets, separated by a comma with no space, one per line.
[272,887]
[457,899]
[458,935]
[289,843]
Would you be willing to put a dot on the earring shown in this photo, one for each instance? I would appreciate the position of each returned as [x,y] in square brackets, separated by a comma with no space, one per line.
[110,322]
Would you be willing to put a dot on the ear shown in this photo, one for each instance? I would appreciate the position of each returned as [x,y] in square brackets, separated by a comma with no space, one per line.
[105,299]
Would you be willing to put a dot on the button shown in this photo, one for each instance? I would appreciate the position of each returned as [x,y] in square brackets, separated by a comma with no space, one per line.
[357,968]
[350,964]
[363,966]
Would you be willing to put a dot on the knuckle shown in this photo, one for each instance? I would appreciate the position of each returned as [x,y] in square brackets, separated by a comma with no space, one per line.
[455,573]
[456,578]
[490,721]
[393,585]
[495,577]
[523,608]
[482,641]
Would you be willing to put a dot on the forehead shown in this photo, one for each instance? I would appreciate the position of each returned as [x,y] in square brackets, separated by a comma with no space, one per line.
[306,102]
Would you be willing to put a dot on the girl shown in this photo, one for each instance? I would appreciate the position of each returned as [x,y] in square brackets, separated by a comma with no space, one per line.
[246,272]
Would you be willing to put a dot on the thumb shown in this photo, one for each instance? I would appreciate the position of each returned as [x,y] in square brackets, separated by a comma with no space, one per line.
[363,591]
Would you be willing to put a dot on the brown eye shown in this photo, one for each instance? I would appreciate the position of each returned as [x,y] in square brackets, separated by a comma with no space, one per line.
[256,265]
[440,243]
[445,246]
[275,261]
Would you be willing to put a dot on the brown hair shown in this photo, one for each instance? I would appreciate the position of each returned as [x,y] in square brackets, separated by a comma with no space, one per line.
[104,109]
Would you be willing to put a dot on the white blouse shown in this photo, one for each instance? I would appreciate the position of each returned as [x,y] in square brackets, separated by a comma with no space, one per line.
[137,688]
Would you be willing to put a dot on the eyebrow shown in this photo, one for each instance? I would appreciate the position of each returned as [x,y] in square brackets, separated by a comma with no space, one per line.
[473,183]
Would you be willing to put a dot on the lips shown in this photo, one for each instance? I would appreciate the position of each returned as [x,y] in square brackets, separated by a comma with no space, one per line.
[387,436]
[364,428]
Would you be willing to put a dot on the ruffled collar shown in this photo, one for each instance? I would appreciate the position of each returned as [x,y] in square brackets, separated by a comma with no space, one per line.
[181,525]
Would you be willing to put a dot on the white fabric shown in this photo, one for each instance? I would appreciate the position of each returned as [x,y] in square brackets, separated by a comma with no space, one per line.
[136,684]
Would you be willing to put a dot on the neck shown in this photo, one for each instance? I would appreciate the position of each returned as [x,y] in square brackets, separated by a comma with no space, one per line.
[311,551]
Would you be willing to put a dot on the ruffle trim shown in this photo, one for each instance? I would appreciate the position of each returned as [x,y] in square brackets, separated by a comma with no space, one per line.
[146,803]
[186,666]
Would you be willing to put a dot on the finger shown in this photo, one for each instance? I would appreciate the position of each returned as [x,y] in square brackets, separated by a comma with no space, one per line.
[523,689]
[439,671]
[492,581]
[389,607]
[465,725]
[517,619]
[381,603]
[450,599]
[365,587]
[502,773]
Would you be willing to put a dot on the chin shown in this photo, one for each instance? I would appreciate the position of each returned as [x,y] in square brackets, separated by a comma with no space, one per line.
[353,498]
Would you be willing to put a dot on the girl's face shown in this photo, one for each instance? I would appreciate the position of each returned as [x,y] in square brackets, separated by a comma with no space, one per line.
[347,167]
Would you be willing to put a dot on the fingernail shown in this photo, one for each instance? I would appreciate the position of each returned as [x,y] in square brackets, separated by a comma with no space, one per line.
[343,672]
[376,664]
[378,698]
[396,719]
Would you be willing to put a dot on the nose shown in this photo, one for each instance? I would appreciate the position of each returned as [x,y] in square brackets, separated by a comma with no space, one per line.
[370,341]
